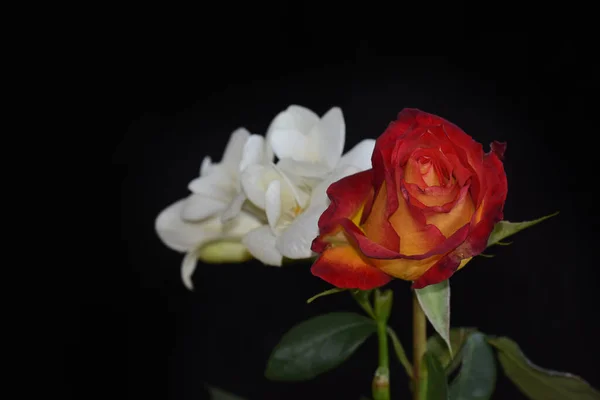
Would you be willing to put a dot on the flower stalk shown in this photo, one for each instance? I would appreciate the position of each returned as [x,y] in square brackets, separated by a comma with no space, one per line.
[381,380]
[419,346]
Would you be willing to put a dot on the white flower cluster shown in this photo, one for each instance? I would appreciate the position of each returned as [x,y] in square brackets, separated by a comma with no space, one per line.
[265,197]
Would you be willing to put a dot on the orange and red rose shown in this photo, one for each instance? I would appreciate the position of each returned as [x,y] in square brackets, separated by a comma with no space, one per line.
[427,206]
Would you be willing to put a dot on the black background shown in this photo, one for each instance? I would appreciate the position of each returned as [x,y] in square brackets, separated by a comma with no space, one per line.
[177,95]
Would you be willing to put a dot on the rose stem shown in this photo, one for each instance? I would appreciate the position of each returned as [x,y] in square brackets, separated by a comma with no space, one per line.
[381,381]
[419,344]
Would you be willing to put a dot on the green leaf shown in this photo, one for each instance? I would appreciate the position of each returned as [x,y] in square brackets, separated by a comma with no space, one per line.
[435,386]
[318,345]
[325,293]
[435,302]
[400,353]
[504,229]
[538,383]
[477,377]
[219,394]
[437,346]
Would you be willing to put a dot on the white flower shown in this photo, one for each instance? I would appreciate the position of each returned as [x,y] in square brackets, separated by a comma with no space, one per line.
[293,213]
[248,205]
[256,155]
[305,144]
[194,226]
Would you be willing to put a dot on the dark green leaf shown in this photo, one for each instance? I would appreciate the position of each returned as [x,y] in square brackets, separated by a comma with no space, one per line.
[477,376]
[318,345]
[538,383]
[219,394]
[435,386]
[437,346]
[504,229]
[324,293]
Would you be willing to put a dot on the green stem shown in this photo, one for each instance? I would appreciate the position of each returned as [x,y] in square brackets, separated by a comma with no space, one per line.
[419,345]
[400,353]
[362,298]
[381,381]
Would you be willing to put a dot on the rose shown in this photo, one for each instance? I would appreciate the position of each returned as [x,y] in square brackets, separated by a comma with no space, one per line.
[425,208]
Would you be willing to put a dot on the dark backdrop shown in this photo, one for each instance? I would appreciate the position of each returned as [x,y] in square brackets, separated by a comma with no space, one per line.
[178,97]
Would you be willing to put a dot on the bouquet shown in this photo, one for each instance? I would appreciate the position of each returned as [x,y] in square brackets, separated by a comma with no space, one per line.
[418,204]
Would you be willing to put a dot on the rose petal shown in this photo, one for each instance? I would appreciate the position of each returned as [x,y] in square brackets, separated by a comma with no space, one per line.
[347,196]
[376,221]
[498,148]
[439,272]
[344,268]
[458,216]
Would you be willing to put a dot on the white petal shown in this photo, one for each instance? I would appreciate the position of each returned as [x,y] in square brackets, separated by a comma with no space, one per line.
[206,166]
[330,132]
[253,185]
[234,207]
[188,266]
[254,182]
[241,225]
[290,143]
[254,150]
[303,168]
[273,203]
[296,240]
[198,207]
[304,118]
[183,236]
[282,121]
[261,244]
[291,194]
[360,155]
[234,149]
[218,183]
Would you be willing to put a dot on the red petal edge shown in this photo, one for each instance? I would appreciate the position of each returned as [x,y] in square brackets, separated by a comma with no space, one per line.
[345,276]
[498,148]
